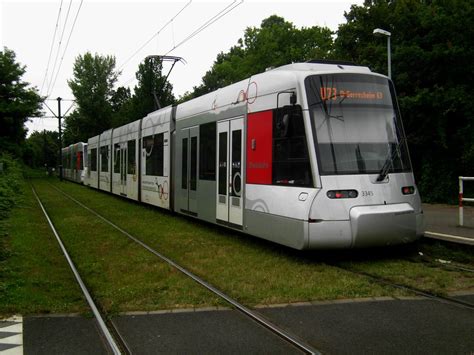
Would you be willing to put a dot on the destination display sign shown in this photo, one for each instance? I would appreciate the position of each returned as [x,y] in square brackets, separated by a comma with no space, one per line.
[333,93]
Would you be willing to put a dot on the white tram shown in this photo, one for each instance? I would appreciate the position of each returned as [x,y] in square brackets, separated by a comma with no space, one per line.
[73,163]
[309,155]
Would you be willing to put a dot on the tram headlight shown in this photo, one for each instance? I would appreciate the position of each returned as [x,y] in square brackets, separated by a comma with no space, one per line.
[337,194]
[408,190]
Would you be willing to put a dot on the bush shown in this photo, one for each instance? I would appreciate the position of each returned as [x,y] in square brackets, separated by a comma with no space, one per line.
[10,184]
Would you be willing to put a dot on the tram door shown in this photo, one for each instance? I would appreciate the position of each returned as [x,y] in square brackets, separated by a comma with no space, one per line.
[189,156]
[229,171]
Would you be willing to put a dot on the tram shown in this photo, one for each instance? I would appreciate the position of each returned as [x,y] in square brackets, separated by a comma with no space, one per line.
[309,155]
[73,162]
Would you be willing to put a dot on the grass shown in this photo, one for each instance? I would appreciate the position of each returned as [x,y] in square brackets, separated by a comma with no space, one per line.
[34,277]
[249,269]
[257,271]
[122,275]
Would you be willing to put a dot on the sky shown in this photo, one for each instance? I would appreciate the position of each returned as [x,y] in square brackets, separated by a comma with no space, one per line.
[121,28]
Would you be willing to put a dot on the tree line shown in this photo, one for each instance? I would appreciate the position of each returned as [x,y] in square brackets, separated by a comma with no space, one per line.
[431,68]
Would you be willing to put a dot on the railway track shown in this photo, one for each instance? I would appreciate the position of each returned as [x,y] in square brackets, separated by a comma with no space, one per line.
[114,340]
[445,264]
[404,287]
[118,345]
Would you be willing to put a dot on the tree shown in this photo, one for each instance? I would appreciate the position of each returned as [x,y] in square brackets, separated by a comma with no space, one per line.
[121,102]
[275,43]
[92,87]
[17,103]
[432,70]
[151,82]
[42,149]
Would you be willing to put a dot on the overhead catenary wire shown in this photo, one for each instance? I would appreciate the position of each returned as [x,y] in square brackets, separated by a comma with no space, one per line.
[230,7]
[155,35]
[67,44]
[52,46]
[59,46]
[208,23]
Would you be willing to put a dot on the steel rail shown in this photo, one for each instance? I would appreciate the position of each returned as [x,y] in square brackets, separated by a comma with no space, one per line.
[290,338]
[417,291]
[445,264]
[102,325]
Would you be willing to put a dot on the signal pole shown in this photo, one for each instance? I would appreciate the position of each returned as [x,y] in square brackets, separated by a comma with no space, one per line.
[60,141]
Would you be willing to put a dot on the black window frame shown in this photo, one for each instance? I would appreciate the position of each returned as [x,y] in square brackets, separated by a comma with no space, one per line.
[117,158]
[289,133]
[131,157]
[104,153]
[154,163]
[184,163]
[93,159]
[193,164]
[207,151]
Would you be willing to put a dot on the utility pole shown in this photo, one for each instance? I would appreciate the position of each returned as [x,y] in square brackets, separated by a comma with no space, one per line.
[60,141]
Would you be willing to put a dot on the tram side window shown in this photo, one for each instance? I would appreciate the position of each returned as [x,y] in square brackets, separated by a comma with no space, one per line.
[131,163]
[153,146]
[73,163]
[85,156]
[193,172]
[93,159]
[184,164]
[81,161]
[291,165]
[207,151]
[117,158]
[104,153]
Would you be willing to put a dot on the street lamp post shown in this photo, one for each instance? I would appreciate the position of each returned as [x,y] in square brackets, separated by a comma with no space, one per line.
[380,32]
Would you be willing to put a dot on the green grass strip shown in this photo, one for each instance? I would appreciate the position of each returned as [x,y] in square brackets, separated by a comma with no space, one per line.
[34,277]
[121,275]
[248,269]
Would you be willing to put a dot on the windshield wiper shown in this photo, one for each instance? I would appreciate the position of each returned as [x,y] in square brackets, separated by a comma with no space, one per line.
[389,162]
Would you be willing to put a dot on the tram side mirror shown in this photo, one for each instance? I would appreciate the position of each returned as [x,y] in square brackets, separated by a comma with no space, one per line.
[293,99]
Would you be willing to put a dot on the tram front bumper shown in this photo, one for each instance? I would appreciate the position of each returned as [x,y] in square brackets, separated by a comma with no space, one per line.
[383,225]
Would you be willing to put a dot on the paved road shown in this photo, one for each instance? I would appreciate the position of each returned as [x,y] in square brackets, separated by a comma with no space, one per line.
[443,219]
[388,326]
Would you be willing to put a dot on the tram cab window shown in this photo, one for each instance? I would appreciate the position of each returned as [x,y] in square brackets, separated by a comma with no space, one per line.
[291,164]
[154,154]
[104,153]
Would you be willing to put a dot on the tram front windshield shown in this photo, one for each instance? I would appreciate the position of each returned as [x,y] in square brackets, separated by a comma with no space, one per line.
[357,124]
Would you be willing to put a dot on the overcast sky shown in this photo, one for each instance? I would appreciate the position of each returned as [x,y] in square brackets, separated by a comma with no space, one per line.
[121,28]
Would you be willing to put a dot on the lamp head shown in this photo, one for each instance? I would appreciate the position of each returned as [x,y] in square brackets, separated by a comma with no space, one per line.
[380,32]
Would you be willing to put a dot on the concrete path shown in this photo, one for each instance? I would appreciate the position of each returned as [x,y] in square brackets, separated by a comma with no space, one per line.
[442,222]
[382,326]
